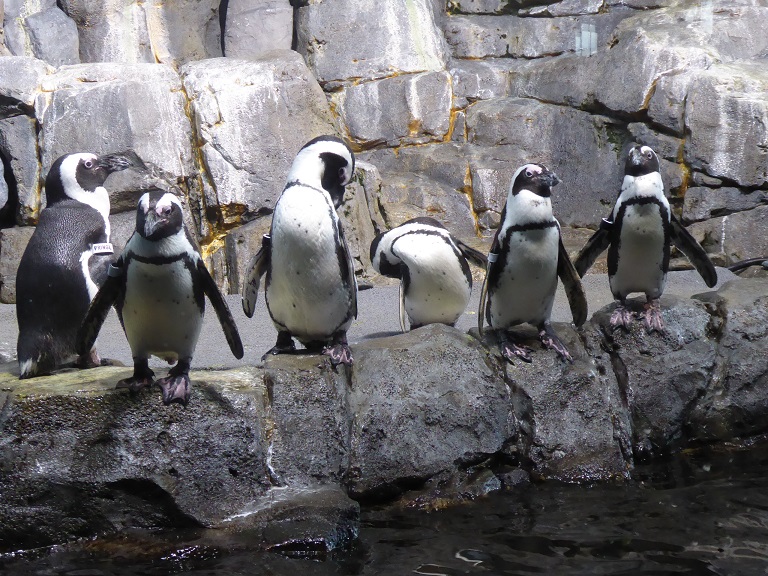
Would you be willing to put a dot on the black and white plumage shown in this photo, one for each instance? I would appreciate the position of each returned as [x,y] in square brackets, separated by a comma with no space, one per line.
[638,234]
[435,279]
[526,258]
[158,286]
[65,261]
[310,287]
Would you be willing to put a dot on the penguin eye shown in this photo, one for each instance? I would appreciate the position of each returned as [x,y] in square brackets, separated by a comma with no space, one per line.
[528,174]
[342,174]
[88,164]
[649,154]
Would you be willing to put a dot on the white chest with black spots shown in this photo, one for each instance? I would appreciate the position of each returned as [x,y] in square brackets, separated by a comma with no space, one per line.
[527,283]
[305,293]
[437,289]
[641,252]
[160,314]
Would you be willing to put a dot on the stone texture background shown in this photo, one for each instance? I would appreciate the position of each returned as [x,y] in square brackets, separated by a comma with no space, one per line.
[441,99]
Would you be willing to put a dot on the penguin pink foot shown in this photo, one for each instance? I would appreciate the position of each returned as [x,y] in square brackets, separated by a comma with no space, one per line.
[622,316]
[142,376]
[652,316]
[511,350]
[176,385]
[339,351]
[552,341]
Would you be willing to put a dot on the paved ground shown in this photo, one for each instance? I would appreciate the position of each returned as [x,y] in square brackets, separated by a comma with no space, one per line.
[378,316]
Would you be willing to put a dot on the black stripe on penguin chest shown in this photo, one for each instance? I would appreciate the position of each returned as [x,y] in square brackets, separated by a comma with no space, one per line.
[406,273]
[161,273]
[505,255]
[648,219]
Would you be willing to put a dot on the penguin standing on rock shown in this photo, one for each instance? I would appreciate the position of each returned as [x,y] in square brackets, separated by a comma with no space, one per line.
[65,262]
[637,234]
[158,286]
[526,258]
[310,287]
[435,279]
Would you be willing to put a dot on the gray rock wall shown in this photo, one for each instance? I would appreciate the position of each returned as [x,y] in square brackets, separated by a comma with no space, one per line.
[445,99]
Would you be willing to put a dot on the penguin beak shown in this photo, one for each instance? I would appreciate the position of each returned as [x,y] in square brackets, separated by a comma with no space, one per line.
[550,179]
[152,222]
[120,161]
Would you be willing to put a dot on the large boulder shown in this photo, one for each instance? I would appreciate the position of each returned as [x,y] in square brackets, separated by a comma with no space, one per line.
[20,80]
[254,27]
[251,118]
[53,37]
[18,144]
[346,40]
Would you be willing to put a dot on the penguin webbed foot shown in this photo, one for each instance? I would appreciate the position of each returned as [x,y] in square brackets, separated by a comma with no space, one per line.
[652,316]
[622,316]
[90,360]
[549,339]
[511,350]
[142,376]
[175,388]
[284,345]
[339,351]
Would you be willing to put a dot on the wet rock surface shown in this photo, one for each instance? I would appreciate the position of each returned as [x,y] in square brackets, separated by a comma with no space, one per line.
[283,450]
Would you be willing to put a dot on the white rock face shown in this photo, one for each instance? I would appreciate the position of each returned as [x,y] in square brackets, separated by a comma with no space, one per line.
[15,13]
[347,39]
[254,27]
[252,117]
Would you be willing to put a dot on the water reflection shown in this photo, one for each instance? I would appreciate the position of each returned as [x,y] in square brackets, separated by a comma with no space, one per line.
[700,514]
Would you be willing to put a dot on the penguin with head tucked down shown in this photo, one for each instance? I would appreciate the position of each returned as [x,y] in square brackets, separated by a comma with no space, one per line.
[638,234]
[310,287]
[65,261]
[526,258]
[431,264]
[158,286]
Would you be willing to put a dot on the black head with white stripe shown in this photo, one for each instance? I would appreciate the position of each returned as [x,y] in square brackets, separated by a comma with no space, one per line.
[78,176]
[641,160]
[535,178]
[324,162]
[159,215]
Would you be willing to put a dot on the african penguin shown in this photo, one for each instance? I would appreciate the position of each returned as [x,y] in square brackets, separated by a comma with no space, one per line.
[65,261]
[637,234]
[310,287]
[526,258]
[158,286]
[435,279]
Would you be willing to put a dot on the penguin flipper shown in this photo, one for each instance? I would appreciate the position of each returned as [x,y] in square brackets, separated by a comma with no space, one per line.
[222,310]
[688,245]
[256,269]
[402,307]
[474,256]
[347,255]
[571,280]
[490,261]
[105,298]
[596,245]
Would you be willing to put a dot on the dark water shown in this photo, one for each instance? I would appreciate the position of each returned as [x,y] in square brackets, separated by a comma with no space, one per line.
[698,514]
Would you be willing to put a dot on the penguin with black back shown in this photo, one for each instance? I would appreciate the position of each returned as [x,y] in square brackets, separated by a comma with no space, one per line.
[65,262]
[158,286]
[526,258]
[638,234]
[310,287]
[433,268]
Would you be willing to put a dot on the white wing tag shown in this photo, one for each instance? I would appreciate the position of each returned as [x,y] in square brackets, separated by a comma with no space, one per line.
[102,248]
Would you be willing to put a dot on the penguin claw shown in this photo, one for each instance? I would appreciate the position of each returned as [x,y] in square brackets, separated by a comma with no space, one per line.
[653,318]
[510,351]
[551,341]
[134,384]
[339,353]
[175,389]
[621,316]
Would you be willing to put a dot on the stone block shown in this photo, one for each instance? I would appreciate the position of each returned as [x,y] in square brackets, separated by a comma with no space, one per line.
[254,27]
[20,80]
[18,144]
[53,37]
[702,203]
[413,108]
[337,48]
[15,12]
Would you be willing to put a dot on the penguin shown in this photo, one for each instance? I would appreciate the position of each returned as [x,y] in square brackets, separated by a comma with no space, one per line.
[310,286]
[638,234]
[526,258]
[65,261]
[158,286]
[431,264]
